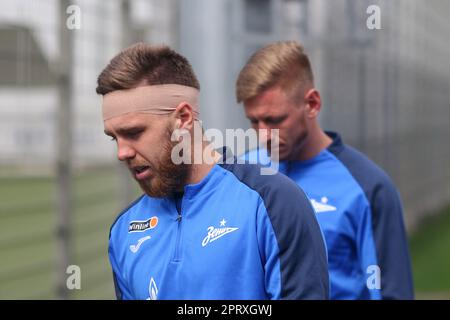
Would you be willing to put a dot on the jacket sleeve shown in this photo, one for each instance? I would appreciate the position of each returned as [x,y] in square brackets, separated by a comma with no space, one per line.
[391,242]
[292,246]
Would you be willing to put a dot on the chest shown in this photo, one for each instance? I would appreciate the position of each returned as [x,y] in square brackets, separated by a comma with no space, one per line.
[192,248]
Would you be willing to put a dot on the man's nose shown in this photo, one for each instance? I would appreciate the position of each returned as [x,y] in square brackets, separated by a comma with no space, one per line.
[264,132]
[124,151]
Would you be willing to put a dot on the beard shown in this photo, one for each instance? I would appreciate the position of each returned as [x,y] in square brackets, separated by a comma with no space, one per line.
[169,177]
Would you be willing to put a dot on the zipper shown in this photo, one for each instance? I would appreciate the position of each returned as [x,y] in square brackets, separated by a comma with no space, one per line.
[176,257]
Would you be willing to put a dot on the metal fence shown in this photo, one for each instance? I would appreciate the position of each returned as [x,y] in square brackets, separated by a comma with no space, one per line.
[386,91]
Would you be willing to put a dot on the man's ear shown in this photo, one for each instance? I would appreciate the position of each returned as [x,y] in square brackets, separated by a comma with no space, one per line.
[313,103]
[184,116]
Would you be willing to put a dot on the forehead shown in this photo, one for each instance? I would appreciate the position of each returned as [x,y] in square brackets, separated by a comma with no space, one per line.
[271,102]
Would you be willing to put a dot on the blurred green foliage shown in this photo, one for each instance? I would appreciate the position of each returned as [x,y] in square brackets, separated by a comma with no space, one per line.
[430,251]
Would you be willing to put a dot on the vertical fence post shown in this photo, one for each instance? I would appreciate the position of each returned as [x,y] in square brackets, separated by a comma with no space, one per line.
[64,150]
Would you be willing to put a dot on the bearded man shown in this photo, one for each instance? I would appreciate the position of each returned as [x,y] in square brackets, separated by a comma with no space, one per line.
[212,229]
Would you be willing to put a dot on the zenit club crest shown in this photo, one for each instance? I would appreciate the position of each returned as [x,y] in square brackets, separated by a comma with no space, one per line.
[217,233]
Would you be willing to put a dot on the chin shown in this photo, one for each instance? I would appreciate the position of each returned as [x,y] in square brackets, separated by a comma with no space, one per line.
[148,188]
[282,153]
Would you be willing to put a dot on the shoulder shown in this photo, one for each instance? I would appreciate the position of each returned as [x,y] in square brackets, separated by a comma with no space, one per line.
[366,172]
[276,190]
[124,213]
[257,155]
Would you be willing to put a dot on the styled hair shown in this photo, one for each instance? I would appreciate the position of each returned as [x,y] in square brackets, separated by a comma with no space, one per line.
[143,64]
[282,63]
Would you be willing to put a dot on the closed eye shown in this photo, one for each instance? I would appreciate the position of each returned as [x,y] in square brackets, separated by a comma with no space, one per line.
[133,134]
[274,121]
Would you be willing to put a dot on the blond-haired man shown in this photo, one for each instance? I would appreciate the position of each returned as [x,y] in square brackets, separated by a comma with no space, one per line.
[356,203]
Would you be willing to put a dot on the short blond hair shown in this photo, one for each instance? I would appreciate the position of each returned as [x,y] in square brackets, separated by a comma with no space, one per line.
[282,63]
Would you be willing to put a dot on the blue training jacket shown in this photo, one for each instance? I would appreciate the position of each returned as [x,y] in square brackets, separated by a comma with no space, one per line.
[360,213]
[235,235]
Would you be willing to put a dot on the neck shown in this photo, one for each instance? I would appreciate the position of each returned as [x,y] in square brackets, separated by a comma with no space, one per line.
[316,141]
[200,169]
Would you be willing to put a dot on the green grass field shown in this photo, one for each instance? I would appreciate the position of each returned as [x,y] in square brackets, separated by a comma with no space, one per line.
[430,250]
[27,239]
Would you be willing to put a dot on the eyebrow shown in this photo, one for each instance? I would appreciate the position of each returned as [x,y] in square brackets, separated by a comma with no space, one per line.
[274,118]
[125,130]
